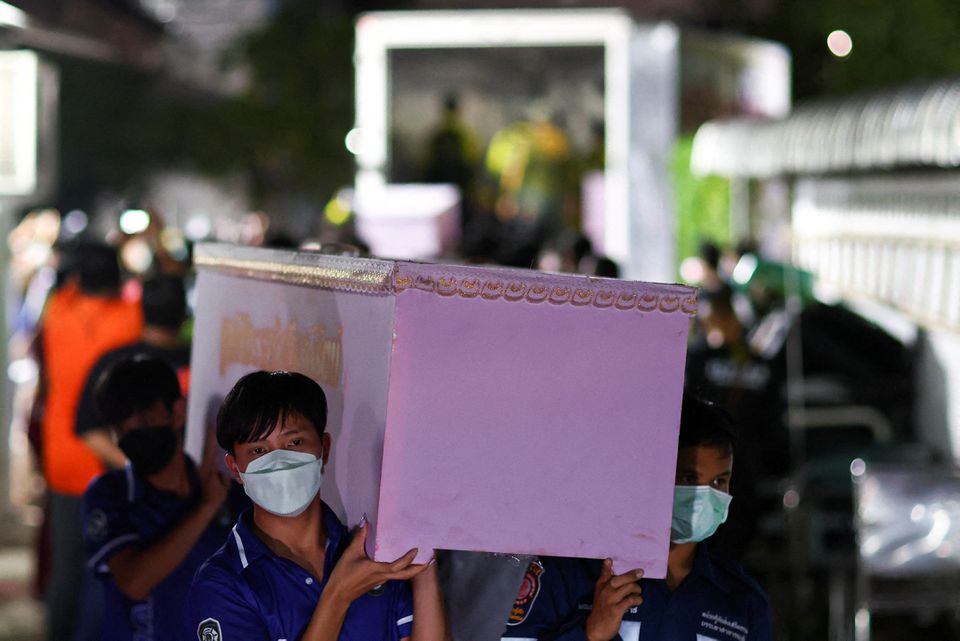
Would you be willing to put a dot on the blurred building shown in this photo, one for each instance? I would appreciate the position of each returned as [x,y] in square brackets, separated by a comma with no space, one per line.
[862,192]
[201,31]
[688,12]
[117,31]
[609,81]
[156,35]
[82,85]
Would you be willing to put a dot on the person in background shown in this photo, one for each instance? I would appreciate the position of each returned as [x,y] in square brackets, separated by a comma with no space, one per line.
[528,184]
[704,595]
[710,257]
[453,157]
[570,253]
[604,267]
[290,570]
[164,305]
[722,368]
[83,319]
[150,525]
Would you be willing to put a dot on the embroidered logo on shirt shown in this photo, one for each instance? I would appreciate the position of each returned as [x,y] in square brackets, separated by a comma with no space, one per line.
[96,525]
[209,630]
[529,590]
[722,626]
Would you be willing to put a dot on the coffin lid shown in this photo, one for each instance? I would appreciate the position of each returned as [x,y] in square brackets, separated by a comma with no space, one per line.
[381,277]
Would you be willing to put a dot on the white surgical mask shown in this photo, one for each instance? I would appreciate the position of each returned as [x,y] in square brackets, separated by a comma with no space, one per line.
[283,482]
[698,510]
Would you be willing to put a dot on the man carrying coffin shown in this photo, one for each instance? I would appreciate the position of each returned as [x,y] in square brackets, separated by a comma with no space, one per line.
[704,596]
[150,525]
[289,569]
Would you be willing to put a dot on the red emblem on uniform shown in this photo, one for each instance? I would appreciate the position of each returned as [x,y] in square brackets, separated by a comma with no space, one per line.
[529,590]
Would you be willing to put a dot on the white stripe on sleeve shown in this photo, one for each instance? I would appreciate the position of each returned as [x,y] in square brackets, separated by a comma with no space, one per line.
[404,620]
[131,489]
[243,554]
[95,559]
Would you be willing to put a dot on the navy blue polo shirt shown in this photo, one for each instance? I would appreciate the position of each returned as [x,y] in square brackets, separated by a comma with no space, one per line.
[245,592]
[123,510]
[717,601]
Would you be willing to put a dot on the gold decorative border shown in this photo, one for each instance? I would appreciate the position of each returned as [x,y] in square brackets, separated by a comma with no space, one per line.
[375,276]
[370,277]
[514,290]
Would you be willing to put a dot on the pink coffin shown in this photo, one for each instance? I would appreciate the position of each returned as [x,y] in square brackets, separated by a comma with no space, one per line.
[471,408]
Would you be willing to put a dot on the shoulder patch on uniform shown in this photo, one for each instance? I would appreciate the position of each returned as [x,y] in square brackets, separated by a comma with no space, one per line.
[96,525]
[529,590]
[209,630]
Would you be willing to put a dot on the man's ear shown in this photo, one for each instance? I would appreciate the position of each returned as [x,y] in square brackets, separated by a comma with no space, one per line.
[326,441]
[233,467]
[180,412]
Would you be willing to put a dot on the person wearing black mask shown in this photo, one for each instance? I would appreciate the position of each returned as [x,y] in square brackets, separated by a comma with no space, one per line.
[150,525]
[164,305]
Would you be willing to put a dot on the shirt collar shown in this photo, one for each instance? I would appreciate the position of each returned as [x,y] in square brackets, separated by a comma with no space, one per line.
[335,529]
[138,485]
[247,546]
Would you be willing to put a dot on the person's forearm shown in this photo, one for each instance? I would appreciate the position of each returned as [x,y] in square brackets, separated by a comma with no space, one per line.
[327,618]
[137,573]
[105,449]
[429,617]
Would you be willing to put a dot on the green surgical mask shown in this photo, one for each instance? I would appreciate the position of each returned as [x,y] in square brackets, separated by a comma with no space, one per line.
[698,510]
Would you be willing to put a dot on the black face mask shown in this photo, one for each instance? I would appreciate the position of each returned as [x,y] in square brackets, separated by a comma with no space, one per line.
[149,448]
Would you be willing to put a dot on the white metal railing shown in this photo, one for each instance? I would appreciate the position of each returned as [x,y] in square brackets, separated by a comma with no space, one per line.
[917,125]
[895,239]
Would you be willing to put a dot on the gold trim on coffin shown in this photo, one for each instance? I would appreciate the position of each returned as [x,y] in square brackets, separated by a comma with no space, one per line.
[344,279]
[354,277]
[538,293]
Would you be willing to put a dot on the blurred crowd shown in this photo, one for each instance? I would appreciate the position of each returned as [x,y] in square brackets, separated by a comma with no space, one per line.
[811,386]
[761,346]
[80,303]
[77,304]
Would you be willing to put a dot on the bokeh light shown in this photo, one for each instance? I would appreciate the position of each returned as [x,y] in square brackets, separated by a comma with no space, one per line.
[840,43]
[75,222]
[134,221]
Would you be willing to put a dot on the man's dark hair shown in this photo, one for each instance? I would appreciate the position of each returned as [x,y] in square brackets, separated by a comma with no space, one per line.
[164,301]
[98,267]
[718,301]
[705,424]
[134,384]
[710,254]
[606,268]
[451,102]
[261,400]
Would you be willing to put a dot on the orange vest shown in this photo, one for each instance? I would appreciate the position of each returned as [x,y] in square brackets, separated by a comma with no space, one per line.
[77,330]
